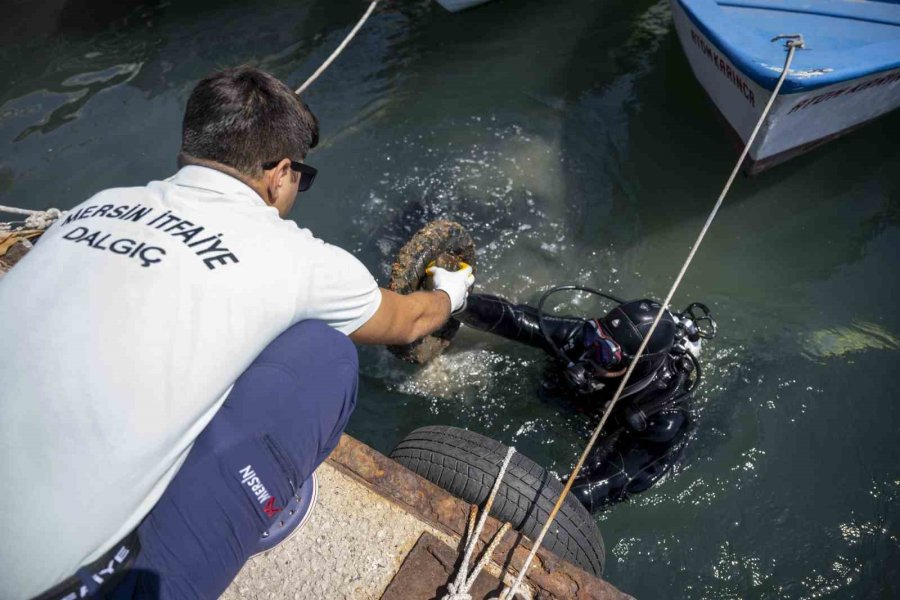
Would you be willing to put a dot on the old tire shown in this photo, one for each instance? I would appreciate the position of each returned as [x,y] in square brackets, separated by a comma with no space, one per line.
[466,464]
[446,244]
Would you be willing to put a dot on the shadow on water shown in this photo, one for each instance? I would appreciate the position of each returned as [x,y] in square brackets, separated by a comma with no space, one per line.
[42,19]
[95,78]
[74,50]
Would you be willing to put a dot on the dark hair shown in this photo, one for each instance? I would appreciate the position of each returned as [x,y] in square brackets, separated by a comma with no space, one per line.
[243,117]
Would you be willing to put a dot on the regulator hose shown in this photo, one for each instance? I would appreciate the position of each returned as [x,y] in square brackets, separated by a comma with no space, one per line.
[565,288]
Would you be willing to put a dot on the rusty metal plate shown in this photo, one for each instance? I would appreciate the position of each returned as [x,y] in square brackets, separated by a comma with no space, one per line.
[429,567]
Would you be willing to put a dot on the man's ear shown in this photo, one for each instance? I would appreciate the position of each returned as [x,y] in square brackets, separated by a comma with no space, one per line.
[277,178]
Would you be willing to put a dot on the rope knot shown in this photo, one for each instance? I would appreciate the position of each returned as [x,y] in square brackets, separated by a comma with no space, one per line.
[42,219]
[453,593]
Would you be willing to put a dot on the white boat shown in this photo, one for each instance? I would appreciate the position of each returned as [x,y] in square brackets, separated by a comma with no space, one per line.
[847,74]
[458,5]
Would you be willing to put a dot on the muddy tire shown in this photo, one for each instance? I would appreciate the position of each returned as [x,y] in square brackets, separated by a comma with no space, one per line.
[466,464]
[446,244]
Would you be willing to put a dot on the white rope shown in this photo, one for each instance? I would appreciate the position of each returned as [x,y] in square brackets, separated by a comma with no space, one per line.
[43,219]
[459,589]
[17,211]
[337,51]
[795,41]
[34,219]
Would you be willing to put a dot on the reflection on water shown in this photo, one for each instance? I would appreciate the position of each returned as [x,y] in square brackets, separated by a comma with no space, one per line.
[573,142]
[856,338]
[56,109]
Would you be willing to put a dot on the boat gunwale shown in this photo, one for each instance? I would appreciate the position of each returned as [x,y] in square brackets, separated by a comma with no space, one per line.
[748,51]
[804,9]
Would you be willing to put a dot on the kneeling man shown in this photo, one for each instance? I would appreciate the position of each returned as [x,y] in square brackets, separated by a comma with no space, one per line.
[182,362]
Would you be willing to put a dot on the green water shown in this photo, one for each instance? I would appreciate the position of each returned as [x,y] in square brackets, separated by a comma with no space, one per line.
[573,141]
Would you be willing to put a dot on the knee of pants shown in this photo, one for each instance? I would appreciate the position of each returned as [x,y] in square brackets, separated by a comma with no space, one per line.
[304,381]
[309,343]
[320,352]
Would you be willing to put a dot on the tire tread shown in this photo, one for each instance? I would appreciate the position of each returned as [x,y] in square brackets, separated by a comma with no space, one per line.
[466,464]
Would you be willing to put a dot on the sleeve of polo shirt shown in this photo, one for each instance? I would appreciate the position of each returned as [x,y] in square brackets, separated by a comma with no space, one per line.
[339,291]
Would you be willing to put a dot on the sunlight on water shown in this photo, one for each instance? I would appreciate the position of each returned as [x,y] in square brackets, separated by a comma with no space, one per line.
[858,337]
[506,187]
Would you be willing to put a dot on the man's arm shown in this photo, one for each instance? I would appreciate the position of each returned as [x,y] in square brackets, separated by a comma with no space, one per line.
[403,319]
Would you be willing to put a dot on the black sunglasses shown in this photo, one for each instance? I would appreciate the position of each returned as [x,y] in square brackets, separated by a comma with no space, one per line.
[307,173]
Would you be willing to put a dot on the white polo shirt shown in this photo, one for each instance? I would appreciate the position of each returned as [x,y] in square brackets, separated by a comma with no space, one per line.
[124,330]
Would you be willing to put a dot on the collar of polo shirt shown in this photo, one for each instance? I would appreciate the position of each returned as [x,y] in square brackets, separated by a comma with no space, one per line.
[208,178]
[277,187]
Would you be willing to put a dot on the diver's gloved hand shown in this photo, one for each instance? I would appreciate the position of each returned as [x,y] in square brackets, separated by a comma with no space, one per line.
[455,284]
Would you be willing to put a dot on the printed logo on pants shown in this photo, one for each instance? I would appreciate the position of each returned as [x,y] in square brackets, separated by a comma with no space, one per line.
[270,508]
[252,481]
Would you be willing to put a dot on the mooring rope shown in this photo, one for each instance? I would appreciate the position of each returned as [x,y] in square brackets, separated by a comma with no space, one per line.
[459,589]
[337,50]
[17,211]
[794,41]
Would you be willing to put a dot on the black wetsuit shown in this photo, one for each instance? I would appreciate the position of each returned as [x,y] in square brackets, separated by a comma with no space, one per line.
[649,425]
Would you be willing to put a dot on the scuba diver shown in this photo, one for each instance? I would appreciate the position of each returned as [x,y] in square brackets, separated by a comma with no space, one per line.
[649,426]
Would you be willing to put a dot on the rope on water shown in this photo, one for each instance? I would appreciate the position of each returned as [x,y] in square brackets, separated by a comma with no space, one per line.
[459,589]
[794,41]
[338,50]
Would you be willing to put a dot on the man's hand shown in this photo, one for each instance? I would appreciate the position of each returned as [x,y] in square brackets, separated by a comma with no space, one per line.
[455,284]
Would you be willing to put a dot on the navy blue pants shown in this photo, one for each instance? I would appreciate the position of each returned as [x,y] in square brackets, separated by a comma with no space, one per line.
[284,416]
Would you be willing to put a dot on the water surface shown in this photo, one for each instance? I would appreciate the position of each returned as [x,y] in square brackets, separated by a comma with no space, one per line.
[572,140]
